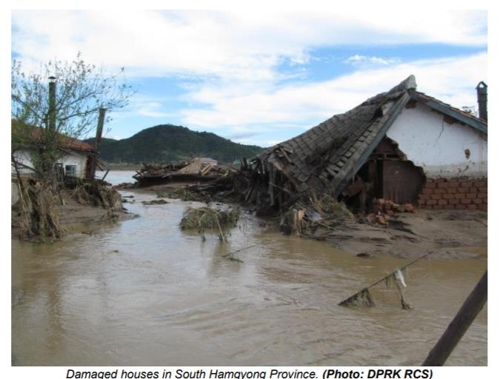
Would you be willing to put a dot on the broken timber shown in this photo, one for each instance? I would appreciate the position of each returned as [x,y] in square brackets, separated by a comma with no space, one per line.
[195,171]
[363,298]
[459,325]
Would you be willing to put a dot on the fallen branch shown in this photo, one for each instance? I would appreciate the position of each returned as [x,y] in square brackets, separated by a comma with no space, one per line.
[363,297]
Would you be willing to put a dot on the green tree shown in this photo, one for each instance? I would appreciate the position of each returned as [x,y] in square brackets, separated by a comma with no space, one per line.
[60,101]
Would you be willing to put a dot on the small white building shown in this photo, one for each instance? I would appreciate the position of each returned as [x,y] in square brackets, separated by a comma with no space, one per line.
[75,158]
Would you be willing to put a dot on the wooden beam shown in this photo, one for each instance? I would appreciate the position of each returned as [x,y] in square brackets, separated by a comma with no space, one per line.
[459,325]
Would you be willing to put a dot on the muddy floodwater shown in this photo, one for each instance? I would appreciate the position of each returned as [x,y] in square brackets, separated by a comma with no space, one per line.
[144,292]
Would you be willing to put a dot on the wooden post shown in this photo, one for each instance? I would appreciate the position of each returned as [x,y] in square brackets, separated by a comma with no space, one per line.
[98,136]
[52,105]
[457,328]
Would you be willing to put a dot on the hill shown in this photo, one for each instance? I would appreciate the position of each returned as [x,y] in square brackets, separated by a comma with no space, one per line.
[168,143]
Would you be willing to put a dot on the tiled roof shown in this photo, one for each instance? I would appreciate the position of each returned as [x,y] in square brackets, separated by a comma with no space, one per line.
[65,142]
[328,155]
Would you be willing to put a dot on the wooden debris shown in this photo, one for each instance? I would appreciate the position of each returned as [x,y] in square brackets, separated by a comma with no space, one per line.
[363,298]
[198,170]
[211,219]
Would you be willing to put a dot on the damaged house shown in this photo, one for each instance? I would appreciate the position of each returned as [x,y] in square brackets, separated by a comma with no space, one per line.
[401,145]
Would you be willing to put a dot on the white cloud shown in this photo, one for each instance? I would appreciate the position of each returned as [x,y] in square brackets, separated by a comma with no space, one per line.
[235,58]
[225,44]
[358,60]
[451,80]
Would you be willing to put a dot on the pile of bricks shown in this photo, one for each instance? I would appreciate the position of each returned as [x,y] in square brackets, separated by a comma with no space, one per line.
[455,193]
[383,210]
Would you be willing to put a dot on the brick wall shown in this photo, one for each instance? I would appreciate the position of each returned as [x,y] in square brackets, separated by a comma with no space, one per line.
[455,193]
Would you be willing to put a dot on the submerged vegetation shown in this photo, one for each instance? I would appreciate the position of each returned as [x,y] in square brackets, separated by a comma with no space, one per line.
[210,219]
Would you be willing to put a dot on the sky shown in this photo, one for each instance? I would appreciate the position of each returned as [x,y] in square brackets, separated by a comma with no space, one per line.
[259,75]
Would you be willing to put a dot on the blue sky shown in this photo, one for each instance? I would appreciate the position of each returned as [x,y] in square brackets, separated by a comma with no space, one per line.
[259,76]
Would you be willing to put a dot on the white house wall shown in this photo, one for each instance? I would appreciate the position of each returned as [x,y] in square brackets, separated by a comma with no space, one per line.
[24,158]
[77,160]
[72,158]
[439,147]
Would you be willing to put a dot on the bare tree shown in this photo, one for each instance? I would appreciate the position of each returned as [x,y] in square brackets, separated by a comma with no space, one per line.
[61,101]
[50,108]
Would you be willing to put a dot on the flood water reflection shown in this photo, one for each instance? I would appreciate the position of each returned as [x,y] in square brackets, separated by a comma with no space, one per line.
[143,292]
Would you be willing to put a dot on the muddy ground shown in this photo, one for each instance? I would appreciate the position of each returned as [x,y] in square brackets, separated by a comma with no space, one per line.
[450,234]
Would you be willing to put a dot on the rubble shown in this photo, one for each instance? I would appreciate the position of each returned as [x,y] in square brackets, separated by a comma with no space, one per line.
[197,170]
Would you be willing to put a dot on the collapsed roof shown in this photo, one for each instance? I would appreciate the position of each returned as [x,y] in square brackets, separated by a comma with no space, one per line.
[326,157]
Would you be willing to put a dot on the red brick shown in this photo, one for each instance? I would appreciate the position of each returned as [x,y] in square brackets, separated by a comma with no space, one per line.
[427,191]
[451,190]
[436,197]
[473,190]
[483,207]
[460,206]
[431,202]
[440,180]
[453,183]
[472,206]
[439,190]
[460,196]
[465,201]
[424,197]
[480,184]
[448,196]
[482,195]
[430,185]
[442,185]
[462,190]
[453,201]
[466,184]
[442,202]
[477,201]
[483,190]
[470,195]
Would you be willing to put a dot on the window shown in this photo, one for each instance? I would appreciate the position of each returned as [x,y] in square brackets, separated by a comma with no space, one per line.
[70,170]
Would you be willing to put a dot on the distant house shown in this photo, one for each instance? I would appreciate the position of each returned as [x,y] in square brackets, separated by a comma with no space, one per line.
[74,160]
[401,145]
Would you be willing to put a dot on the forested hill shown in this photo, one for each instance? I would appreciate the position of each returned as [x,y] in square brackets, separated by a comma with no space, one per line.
[168,143]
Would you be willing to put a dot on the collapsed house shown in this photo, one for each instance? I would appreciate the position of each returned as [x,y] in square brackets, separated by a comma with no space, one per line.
[401,145]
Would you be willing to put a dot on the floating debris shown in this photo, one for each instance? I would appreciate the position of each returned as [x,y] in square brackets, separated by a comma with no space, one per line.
[363,298]
[207,218]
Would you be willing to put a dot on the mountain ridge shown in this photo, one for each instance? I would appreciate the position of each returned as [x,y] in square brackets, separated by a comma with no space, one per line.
[168,143]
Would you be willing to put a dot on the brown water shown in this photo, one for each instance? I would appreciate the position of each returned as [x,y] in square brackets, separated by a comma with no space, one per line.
[146,293]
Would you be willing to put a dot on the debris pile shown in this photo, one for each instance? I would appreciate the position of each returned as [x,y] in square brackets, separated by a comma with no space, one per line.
[384,210]
[305,217]
[198,170]
[211,219]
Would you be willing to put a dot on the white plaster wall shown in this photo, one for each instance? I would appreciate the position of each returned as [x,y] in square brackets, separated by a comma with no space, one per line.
[76,159]
[438,147]
[23,157]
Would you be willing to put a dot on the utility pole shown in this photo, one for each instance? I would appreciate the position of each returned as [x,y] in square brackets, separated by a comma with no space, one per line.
[98,137]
